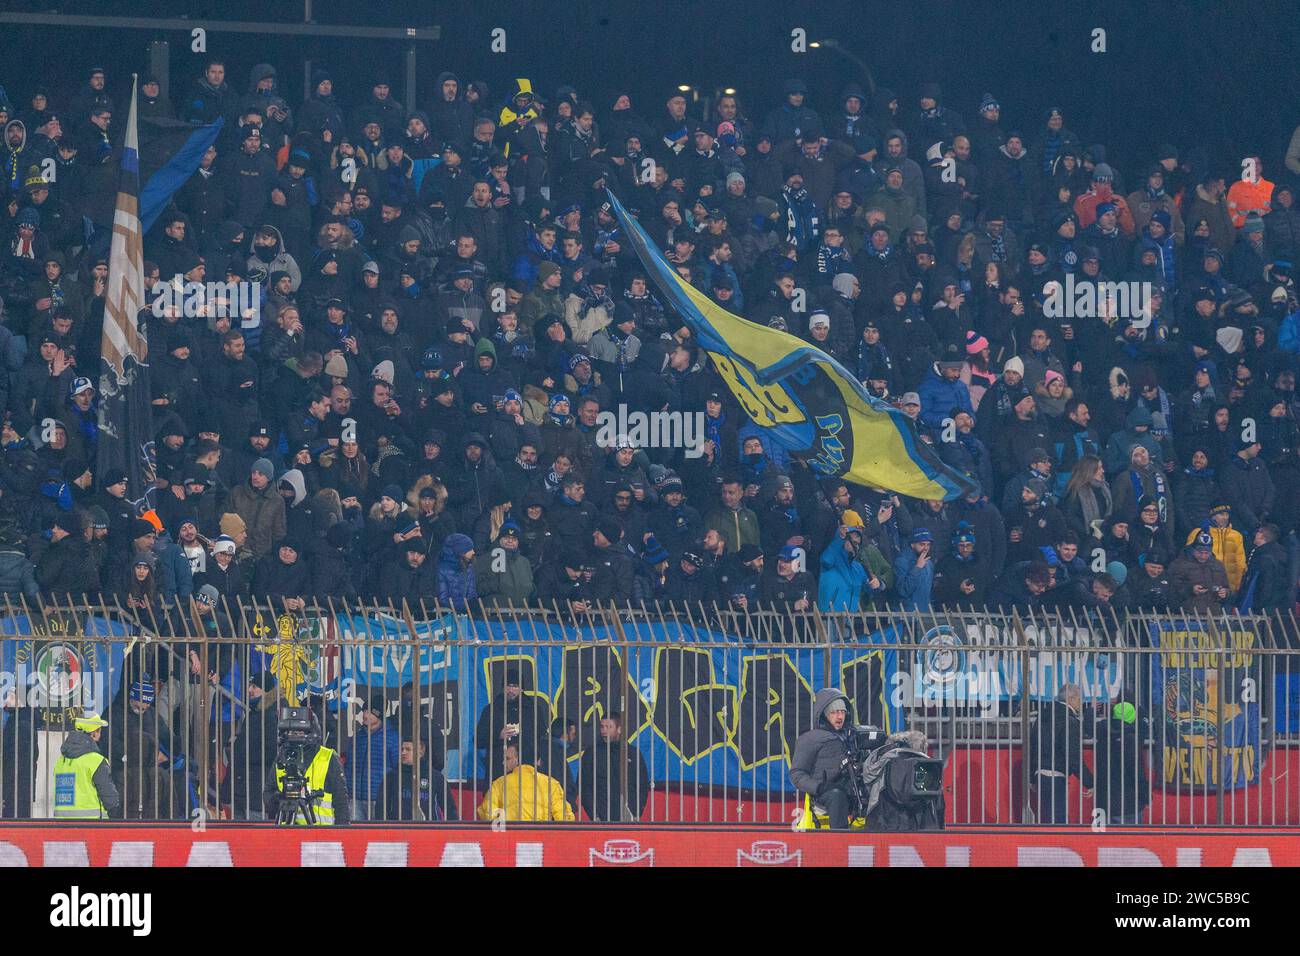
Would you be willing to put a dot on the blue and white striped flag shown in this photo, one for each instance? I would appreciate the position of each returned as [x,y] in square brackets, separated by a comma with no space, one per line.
[125,429]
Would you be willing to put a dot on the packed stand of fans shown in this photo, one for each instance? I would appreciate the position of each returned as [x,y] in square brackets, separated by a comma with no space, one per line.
[445,306]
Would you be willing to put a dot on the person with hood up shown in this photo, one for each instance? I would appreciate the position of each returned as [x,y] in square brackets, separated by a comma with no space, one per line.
[895,154]
[516,115]
[821,757]
[842,578]
[283,576]
[853,119]
[1119,450]
[932,122]
[270,254]
[84,787]
[1282,224]
[457,584]
[264,97]
[420,142]
[792,120]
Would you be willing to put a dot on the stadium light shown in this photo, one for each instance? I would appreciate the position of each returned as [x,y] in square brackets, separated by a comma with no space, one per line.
[729,91]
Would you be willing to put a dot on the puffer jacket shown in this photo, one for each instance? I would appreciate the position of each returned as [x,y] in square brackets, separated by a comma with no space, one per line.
[457,585]
[819,753]
[940,396]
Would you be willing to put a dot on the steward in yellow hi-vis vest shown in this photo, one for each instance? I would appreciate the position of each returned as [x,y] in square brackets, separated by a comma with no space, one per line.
[315,776]
[83,784]
[308,787]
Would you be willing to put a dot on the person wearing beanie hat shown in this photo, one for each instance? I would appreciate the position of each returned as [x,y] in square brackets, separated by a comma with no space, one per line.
[793,120]
[258,503]
[1156,196]
[942,390]
[232,526]
[914,572]
[1102,191]
[975,343]
[1198,578]
[1227,543]
[546,269]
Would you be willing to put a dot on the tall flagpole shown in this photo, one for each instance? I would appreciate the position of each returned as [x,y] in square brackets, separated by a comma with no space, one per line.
[125,426]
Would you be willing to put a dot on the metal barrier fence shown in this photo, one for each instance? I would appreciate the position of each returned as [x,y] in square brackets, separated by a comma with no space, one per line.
[664,714]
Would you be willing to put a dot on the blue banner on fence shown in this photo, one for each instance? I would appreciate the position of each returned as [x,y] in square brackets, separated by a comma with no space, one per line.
[1210,723]
[968,667]
[380,664]
[60,664]
[1287,687]
[386,660]
[722,716]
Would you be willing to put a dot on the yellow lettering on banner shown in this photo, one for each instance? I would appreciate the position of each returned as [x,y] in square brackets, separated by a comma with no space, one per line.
[763,403]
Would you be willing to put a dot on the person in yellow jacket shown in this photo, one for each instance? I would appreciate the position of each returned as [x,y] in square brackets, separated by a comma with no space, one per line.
[1250,193]
[1229,546]
[83,783]
[524,794]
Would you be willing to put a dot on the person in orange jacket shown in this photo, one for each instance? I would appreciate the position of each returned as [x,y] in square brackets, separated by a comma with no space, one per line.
[1229,546]
[1252,193]
[1085,207]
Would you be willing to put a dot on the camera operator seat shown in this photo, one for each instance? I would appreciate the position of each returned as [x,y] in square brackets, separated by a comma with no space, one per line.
[815,817]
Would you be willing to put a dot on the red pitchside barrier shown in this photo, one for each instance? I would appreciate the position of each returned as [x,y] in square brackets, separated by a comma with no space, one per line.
[559,845]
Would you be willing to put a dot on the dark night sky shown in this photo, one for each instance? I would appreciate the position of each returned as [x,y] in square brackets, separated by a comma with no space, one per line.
[1178,73]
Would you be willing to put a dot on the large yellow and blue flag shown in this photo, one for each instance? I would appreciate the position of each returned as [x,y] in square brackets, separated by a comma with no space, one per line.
[804,400]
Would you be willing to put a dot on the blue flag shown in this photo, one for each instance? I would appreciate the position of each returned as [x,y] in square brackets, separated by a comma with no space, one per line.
[801,397]
[170,152]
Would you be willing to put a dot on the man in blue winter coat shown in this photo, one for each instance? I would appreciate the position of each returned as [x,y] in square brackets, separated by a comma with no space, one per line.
[914,573]
[376,749]
[942,392]
[842,575]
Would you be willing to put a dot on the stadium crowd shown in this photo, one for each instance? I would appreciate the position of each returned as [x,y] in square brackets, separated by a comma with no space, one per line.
[445,306]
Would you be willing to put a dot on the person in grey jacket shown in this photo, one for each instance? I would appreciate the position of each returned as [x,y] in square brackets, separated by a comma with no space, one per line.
[821,757]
